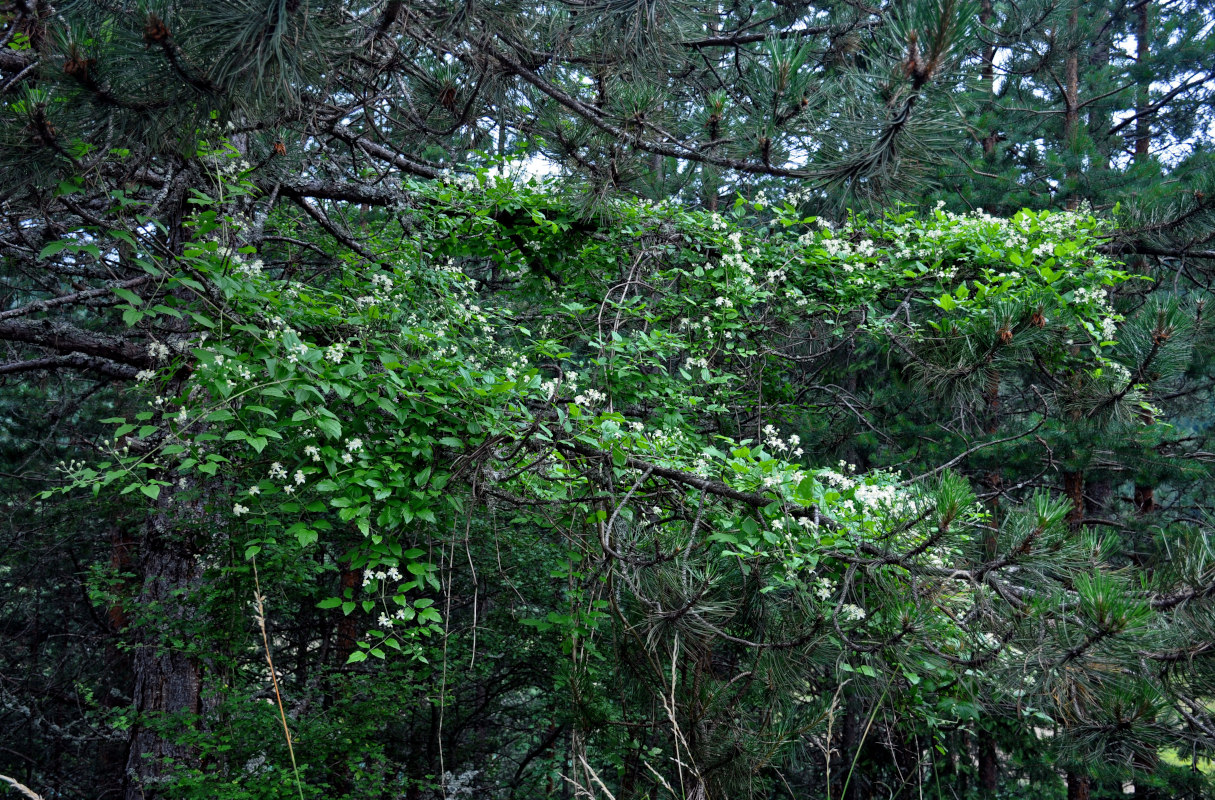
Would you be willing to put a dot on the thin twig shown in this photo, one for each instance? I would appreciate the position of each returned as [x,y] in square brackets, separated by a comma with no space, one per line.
[261,623]
[21,787]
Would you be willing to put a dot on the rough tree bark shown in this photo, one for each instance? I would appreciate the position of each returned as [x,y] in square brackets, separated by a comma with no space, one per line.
[989,765]
[1071,101]
[1143,121]
[168,679]
[988,73]
[1077,786]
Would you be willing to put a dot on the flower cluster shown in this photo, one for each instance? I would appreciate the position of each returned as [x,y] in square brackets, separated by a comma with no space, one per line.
[381,292]
[590,398]
[335,352]
[791,446]
[158,351]
[851,613]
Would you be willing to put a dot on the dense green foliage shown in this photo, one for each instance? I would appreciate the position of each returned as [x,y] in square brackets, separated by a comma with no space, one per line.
[746,458]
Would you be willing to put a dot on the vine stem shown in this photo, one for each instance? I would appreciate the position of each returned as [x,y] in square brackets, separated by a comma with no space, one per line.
[261,623]
[21,787]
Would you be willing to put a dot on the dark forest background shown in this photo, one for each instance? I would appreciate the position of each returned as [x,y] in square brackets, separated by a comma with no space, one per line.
[132,664]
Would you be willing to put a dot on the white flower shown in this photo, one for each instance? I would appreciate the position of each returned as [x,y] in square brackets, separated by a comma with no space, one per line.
[394,574]
[354,445]
[299,476]
[277,471]
[335,352]
[255,490]
[289,489]
[145,375]
[238,509]
[851,613]
[347,458]
[385,621]
[312,451]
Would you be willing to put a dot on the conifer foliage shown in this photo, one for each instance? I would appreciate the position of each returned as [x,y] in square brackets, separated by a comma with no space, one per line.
[741,457]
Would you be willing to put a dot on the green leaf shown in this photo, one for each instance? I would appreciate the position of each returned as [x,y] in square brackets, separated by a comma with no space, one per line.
[128,295]
[51,249]
[329,426]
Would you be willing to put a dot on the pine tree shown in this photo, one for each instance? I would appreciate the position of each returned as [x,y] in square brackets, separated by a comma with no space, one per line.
[118,121]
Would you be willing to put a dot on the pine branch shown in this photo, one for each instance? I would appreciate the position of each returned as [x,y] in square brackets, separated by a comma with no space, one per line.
[67,338]
[595,118]
[76,361]
[74,298]
[738,38]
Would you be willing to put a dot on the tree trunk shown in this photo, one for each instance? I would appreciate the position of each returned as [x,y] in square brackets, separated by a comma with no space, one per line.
[348,625]
[989,764]
[347,638]
[1073,487]
[168,680]
[1145,493]
[1145,500]
[1077,787]
[1071,101]
[988,72]
[1143,124]
[849,740]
